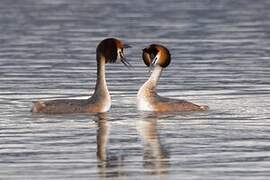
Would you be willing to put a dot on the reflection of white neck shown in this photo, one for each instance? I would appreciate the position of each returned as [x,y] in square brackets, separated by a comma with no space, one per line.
[102,138]
[152,147]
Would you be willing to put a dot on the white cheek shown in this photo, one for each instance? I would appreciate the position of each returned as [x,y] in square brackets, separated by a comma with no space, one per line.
[118,54]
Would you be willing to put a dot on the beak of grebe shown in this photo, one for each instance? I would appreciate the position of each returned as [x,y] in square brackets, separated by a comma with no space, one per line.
[153,63]
[122,57]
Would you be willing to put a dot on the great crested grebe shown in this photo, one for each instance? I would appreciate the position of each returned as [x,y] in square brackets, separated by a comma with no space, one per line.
[108,51]
[158,57]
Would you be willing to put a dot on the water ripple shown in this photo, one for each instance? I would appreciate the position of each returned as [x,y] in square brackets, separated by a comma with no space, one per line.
[220,57]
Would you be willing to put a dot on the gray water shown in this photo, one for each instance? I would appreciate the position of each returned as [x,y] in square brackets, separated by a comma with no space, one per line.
[220,57]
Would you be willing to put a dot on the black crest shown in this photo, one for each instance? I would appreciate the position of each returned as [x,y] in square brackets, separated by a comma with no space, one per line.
[108,48]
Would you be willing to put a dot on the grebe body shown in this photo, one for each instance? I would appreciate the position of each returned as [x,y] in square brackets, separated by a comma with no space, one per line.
[158,57]
[108,51]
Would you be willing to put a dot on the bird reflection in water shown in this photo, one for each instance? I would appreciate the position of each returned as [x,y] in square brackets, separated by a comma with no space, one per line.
[109,165]
[156,158]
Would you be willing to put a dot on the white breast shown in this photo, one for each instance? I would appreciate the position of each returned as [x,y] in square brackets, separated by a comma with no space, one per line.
[107,104]
[142,103]
[106,107]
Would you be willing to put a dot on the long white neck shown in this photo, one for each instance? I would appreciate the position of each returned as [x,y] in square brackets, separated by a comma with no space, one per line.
[148,90]
[151,83]
[101,90]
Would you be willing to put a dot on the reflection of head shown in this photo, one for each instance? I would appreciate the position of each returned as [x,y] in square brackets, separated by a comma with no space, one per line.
[107,161]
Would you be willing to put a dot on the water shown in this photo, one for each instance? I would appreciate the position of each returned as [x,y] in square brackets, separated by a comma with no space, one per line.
[220,57]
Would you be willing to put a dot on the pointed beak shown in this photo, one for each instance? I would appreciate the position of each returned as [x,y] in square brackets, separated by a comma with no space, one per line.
[152,65]
[123,59]
[125,62]
[153,62]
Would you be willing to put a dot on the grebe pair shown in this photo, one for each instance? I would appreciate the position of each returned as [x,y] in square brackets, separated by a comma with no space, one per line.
[108,51]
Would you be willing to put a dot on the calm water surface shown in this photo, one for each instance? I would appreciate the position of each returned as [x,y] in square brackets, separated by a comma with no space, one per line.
[220,57]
